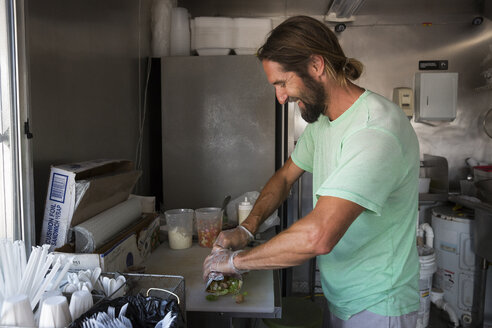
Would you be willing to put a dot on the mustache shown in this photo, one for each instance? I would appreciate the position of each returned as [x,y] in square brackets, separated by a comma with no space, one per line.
[293,99]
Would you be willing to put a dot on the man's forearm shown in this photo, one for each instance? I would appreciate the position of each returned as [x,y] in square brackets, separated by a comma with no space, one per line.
[315,234]
[277,253]
[271,197]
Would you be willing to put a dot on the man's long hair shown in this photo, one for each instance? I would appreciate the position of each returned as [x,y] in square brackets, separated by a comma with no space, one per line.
[293,42]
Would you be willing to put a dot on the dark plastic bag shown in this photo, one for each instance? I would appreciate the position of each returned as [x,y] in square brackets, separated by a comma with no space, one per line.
[142,311]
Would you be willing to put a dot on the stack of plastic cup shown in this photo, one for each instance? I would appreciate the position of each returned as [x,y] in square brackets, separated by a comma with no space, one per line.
[16,312]
[55,313]
[180,32]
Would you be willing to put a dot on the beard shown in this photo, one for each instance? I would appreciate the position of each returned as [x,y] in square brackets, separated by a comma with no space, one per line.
[315,99]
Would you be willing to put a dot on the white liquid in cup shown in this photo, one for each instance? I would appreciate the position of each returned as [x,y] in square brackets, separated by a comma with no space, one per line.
[179,238]
[180,227]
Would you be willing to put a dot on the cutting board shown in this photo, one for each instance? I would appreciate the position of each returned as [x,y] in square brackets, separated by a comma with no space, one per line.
[188,263]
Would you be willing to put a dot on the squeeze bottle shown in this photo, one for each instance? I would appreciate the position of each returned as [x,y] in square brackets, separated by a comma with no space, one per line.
[243,209]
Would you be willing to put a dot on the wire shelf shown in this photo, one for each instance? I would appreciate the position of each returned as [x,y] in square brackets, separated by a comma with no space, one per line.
[162,286]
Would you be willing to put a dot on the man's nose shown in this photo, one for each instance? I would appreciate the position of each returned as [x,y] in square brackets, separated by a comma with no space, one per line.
[281,96]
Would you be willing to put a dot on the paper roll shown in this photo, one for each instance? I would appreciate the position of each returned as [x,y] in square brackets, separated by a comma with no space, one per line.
[93,233]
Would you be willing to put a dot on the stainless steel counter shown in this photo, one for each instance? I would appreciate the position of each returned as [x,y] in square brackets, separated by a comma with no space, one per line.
[262,300]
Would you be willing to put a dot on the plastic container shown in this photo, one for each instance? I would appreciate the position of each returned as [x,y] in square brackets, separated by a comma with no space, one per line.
[483,172]
[180,39]
[208,225]
[213,35]
[180,227]
[427,258]
[424,184]
[243,210]
[457,264]
[484,190]
[249,34]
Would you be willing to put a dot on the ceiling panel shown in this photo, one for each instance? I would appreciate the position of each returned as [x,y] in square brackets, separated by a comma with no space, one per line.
[267,8]
[419,7]
[255,8]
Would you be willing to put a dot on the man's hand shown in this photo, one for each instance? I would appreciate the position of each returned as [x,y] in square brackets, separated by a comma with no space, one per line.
[234,239]
[220,260]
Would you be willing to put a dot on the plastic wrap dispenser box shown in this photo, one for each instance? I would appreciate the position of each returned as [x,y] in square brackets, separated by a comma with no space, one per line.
[78,191]
[123,253]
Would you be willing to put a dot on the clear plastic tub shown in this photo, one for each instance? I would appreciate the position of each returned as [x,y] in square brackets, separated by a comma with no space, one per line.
[208,225]
[180,227]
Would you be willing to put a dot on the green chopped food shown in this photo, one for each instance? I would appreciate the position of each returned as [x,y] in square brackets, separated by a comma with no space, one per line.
[211,297]
[228,285]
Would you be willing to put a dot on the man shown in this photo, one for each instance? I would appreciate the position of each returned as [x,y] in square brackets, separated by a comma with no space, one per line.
[364,157]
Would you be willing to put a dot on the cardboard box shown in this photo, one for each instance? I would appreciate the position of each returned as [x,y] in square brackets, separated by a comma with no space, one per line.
[122,253]
[79,191]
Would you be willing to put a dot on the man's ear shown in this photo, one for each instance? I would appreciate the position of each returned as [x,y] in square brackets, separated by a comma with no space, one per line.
[317,66]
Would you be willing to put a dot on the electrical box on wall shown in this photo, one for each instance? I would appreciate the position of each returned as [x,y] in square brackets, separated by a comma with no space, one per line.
[403,97]
[436,96]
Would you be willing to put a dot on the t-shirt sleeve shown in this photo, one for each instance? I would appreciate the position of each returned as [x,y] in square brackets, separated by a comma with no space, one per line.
[369,169]
[303,153]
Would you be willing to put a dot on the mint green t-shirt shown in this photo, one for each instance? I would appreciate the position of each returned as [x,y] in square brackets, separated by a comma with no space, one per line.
[370,156]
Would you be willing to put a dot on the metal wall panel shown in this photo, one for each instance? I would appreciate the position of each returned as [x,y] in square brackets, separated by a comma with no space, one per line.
[391,53]
[87,74]
[218,129]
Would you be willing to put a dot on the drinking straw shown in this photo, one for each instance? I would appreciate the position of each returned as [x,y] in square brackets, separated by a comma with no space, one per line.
[22,248]
[39,269]
[44,284]
[62,274]
[2,286]
[6,265]
[41,275]
[28,276]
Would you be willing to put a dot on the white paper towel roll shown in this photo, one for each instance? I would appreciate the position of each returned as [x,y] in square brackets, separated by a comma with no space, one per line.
[93,233]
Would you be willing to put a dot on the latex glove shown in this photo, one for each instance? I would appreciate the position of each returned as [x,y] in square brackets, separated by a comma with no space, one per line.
[220,260]
[236,238]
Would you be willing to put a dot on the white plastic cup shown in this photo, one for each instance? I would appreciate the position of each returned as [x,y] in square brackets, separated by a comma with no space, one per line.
[17,312]
[50,293]
[80,303]
[180,227]
[55,313]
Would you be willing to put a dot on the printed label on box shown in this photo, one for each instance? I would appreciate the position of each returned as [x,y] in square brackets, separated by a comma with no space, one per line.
[58,208]
[58,187]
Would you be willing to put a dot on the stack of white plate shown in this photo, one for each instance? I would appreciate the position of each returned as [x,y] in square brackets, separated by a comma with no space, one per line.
[212,35]
[249,34]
